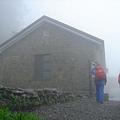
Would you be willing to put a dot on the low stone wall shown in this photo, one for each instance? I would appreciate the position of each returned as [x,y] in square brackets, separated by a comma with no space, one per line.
[46,94]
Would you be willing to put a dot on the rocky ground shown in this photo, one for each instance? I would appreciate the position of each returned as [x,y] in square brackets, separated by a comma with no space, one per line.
[83,109]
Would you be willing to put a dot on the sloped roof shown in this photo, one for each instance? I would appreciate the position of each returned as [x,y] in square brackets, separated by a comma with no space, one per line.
[39,22]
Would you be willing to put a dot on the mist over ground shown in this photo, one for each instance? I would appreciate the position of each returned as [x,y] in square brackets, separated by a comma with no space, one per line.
[100,18]
[113,88]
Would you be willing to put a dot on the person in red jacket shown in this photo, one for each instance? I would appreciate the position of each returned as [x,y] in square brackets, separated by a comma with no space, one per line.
[100,81]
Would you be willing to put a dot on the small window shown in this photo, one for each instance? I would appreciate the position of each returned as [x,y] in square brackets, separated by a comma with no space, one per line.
[42,66]
[45,33]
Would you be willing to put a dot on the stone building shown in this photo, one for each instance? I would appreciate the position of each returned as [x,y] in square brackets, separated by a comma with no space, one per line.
[50,54]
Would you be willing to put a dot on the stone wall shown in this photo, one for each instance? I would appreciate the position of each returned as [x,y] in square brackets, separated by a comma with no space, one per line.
[69,66]
[45,95]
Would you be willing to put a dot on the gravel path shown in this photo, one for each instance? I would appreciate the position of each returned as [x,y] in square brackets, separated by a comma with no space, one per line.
[84,109]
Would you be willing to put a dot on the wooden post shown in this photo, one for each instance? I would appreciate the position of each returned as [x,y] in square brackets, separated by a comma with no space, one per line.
[90,82]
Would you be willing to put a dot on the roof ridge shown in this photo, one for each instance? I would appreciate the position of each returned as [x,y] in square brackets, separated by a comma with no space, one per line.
[54,21]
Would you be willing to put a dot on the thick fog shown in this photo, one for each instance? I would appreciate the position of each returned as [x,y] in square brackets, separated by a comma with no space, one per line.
[11,18]
[100,18]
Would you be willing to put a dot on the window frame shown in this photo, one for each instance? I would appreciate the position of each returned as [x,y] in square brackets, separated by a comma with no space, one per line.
[39,60]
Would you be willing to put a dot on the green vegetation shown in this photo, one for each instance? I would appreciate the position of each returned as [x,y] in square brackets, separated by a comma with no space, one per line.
[16,104]
[6,114]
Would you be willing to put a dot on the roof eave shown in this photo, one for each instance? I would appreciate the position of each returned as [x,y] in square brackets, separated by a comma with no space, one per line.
[38,24]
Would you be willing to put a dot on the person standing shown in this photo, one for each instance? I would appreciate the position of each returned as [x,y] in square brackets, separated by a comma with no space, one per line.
[119,78]
[100,81]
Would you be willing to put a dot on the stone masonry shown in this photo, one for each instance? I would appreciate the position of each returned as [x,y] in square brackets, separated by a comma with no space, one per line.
[70,56]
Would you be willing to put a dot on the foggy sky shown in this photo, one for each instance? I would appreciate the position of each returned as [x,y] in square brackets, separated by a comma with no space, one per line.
[11,18]
[100,18]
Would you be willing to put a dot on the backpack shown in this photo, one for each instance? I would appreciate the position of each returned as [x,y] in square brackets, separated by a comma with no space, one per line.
[99,73]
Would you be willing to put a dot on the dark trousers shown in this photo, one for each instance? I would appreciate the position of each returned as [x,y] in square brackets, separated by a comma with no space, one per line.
[99,84]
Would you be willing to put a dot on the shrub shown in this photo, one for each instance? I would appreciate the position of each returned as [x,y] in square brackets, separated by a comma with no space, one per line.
[6,114]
